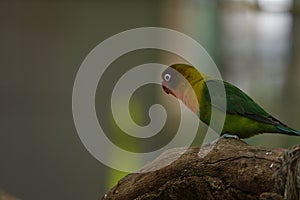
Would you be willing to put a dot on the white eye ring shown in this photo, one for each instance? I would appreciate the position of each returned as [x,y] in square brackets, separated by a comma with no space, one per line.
[167,77]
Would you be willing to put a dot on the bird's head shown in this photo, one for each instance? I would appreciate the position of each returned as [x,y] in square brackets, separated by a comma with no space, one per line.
[177,77]
[179,80]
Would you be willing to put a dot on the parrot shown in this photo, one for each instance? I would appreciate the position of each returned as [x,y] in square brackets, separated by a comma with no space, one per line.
[244,118]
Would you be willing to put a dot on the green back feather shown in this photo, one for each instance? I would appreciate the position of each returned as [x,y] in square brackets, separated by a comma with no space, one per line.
[238,103]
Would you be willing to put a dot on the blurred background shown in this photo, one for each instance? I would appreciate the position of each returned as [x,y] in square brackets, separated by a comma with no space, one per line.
[255,44]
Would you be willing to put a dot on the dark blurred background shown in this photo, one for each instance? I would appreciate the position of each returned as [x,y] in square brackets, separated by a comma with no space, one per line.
[255,44]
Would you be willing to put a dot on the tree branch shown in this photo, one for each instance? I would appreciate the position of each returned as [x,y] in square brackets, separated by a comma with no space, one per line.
[228,169]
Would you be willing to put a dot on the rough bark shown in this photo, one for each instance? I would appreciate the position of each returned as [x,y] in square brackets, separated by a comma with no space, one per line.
[228,169]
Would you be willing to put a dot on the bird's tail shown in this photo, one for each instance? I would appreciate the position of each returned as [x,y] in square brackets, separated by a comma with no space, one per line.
[288,131]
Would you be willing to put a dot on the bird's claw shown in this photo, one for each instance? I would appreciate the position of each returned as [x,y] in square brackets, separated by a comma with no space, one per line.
[229,136]
[224,136]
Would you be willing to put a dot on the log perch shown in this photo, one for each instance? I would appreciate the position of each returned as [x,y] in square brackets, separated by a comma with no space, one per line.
[228,169]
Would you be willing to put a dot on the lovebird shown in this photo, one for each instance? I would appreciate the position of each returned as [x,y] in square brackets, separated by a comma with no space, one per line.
[244,117]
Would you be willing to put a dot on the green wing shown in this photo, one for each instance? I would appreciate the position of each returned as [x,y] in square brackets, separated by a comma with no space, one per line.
[237,102]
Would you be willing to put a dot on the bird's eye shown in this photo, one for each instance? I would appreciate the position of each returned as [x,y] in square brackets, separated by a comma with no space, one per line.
[167,77]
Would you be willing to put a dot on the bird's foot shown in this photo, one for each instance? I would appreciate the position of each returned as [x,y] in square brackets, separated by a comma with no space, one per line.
[224,136]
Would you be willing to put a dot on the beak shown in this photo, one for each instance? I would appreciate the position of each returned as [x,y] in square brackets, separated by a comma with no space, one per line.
[166,89]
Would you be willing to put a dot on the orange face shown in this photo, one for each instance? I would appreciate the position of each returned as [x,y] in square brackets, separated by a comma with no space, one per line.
[174,83]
